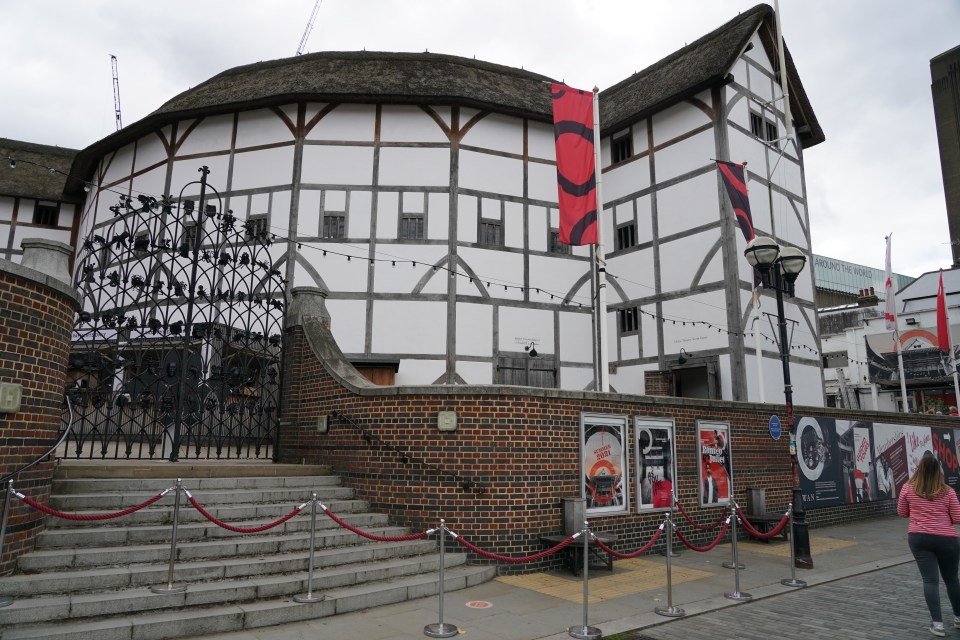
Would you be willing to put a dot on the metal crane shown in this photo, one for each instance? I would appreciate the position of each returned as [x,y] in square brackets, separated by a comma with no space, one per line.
[306,32]
[116,90]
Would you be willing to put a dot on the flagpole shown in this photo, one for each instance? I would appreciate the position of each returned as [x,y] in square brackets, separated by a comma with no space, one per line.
[788,122]
[756,340]
[890,314]
[603,380]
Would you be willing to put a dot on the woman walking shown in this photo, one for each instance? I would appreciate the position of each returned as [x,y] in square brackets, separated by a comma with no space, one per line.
[933,510]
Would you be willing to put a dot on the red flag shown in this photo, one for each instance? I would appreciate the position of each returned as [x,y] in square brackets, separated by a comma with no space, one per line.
[943,322]
[736,185]
[576,164]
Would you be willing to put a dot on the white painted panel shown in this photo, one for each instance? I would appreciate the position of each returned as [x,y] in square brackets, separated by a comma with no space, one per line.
[437,279]
[606,155]
[348,323]
[685,156]
[339,274]
[120,165]
[212,134]
[539,229]
[628,380]
[150,151]
[804,284]
[438,216]
[807,385]
[786,221]
[576,343]
[6,208]
[358,217]
[388,211]
[540,141]
[467,219]
[576,378]
[414,166]
[519,327]
[787,175]
[187,171]
[413,202]
[308,216]
[683,258]
[726,384]
[497,132]
[280,213]
[474,330]
[640,138]
[475,372]
[21,233]
[399,123]
[403,277]
[678,120]
[495,174]
[633,273]
[629,348]
[398,327]
[499,268]
[760,83]
[420,371]
[513,231]
[627,179]
[683,318]
[644,219]
[324,164]
[151,182]
[688,204]
[556,276]
[542,181]
[738,112]
[352,122]
[261,126]
[263,168]
[335,200]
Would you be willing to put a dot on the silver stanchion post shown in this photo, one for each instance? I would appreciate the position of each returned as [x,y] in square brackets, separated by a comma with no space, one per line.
[585,632]
[441,629]
[734,563]
[673,506]
[670,611]
[310,596]
[736,594]
[792,581]
[173,588]
[5,601]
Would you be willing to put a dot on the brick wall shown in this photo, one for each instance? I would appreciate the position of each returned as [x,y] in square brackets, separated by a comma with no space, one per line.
[522,446]
[34,346]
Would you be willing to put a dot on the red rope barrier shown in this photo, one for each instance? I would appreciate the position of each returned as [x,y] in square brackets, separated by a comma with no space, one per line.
[714,525]
[763,536]
[710,546]
[102,516]
[370,536]
[494,556]
[229,527]
[633,554]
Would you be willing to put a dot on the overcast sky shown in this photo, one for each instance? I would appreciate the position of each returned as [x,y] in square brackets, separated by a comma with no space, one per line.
[865,65]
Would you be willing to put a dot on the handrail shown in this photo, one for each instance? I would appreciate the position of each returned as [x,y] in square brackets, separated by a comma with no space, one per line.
[466,484]
[60,441]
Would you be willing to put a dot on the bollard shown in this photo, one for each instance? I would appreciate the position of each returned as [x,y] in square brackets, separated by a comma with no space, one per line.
[792,580]
[670,611]
[585,632]
[734,563]
[673,504]
[5,601]
[441,629]
[309,596]
[173,588]
[736,594]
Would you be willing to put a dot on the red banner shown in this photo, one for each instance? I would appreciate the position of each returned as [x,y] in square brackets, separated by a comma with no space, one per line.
[943,323]
[576,164]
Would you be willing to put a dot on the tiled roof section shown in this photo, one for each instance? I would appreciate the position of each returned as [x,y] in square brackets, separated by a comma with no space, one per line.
[29,180]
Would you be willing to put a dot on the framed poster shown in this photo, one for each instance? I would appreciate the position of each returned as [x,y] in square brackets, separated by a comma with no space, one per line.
[715,468]
[603,463]
[656,463]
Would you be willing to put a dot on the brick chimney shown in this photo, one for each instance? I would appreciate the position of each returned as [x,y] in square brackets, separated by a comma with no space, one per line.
[867,298]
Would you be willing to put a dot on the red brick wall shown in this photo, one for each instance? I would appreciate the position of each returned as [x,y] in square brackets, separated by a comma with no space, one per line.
[522,445]
[34,346]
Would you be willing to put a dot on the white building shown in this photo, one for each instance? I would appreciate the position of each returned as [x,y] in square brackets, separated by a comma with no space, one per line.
[420,191]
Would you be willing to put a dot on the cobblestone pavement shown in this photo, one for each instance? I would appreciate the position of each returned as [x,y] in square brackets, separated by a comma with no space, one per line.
[883,604]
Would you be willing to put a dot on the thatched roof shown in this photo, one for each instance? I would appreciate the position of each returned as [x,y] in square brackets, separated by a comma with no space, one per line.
[29,180]
[427,78]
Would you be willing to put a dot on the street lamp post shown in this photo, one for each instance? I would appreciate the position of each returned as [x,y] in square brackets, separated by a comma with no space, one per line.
[779,268]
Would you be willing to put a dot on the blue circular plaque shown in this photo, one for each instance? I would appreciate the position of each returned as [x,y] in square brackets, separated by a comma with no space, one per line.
[775,427]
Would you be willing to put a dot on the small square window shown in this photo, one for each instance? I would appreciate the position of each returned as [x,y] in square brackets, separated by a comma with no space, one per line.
[628,320]
[490,233]
[555,246]
[626,236]
[411,226]
[334,225]
[189,238]
[756,125]
[46,214]
[256,227]
[771,131]
[621,148]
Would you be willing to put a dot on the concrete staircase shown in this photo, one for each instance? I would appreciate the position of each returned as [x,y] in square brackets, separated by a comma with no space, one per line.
[92,580]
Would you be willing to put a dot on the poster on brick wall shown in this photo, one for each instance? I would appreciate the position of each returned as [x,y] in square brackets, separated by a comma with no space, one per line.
[715,468]
[825,466]
[603,463]
[656,463]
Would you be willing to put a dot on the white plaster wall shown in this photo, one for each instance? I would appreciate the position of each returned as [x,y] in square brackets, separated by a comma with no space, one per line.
[556,276]
[261,126]
[187,171]
[688,204]
[438,216]
[644,219]
[540,141]
[347,323]
[401,123]
[518,327]
[640,137]
[682,259]
[420,371]
[398,327]
[475,372]
[628,380]
[576,341]
[648,329]
[705,307]
[359,212]
[513,229]
[490,173]
[726,384]
[623,213]
[539,222]
[214,133]
[685,155]
[628,178]
[496,132]
[22,233]
[634,273]
[787,221]
[578,378]
[308,215]
[323,164]
[414,166]
[6,208]
[150,151]
[497,268]
[280,213]
[629,347]
[760,83]
[351,122]
[264,167]
[467,218]
[151,182]
[436,282]
[388,213]
[119,165]
[403,277]
[739,72]
[678,120]
[807,385]
[474,330]
[542,181]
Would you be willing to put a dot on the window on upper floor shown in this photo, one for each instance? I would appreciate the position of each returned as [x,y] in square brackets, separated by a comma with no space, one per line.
[334,225]
[46,214]
[490,233]
[554,245]
[189,239]
[763,128]
[411,226]
[257,227]
[628,320]
[621,147]
[626,236]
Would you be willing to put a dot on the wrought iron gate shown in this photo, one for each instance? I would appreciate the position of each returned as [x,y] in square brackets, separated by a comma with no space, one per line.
[176,348]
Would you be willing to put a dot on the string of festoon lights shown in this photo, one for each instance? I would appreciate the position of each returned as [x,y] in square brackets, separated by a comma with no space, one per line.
[491,283]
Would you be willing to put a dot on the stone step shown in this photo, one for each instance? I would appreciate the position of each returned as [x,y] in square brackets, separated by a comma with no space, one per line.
[77,606]
[118,485]
[252,615]
[86,469]
[72,581]
[116,501]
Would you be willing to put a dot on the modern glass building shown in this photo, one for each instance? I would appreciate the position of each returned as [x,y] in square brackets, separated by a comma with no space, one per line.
[838,282]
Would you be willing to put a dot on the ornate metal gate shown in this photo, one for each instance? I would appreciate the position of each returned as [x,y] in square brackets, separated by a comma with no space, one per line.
[176,349]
